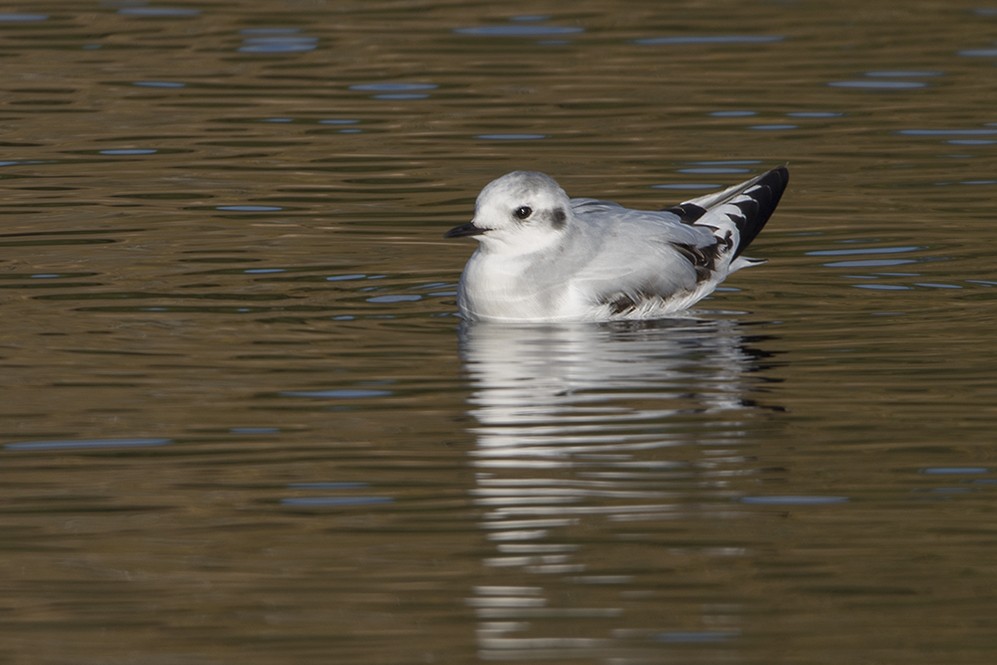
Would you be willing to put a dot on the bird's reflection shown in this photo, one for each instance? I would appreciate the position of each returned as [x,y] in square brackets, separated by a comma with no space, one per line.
[583,431]
[553,391]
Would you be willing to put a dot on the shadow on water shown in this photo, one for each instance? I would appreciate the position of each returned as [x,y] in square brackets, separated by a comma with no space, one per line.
[595,444]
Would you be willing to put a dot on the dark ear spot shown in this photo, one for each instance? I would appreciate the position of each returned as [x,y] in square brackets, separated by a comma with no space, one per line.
[557,218]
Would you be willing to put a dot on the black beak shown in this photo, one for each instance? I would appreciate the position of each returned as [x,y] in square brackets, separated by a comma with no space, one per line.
[468,229]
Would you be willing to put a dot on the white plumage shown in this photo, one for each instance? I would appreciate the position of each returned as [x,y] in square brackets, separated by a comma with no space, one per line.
[546,257]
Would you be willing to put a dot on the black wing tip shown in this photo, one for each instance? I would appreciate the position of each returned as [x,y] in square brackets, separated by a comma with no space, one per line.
[765,195]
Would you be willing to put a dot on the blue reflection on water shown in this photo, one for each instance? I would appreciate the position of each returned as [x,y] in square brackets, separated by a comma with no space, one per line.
[981,131]
[392,87]
[71,444]
[882,287]
[276,40]
[733,114]
[129,151]
[159,84]
[954,470]
[394,298]
[518,30]
[971,142]
[22,18]
[396,91]
[248,208]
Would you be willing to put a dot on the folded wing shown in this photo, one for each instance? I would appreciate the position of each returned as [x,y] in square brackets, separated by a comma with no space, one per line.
[685,250]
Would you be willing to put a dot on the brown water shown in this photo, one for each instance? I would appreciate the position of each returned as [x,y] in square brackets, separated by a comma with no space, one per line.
[240,422]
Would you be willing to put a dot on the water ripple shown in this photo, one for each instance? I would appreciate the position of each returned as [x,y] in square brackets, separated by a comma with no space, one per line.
[903,73]
[276,40]
[518,30]
[979,53]
[343,393]
[864,250]
[871,263]
[878,85]
[159,84]
[395,91]
[948,132]
[86,444]
[682,40]
[510,137]
[22,18]
[159,12]
[780,500]
[248,208]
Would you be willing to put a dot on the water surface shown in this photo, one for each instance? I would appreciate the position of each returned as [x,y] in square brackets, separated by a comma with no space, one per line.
[241,420]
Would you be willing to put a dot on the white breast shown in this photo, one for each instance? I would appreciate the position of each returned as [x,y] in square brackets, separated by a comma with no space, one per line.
[493,288]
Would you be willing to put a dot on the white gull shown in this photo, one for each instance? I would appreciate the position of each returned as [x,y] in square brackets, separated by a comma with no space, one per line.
[545,257]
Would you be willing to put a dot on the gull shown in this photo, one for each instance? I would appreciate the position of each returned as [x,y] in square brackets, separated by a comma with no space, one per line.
[545,257]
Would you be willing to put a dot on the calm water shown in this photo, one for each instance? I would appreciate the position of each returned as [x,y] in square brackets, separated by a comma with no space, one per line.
[242,423]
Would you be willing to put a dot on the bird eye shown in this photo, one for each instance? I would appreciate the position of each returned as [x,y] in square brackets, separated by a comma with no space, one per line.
[522,212]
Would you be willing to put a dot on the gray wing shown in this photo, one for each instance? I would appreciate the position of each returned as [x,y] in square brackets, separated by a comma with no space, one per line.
[638,255]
